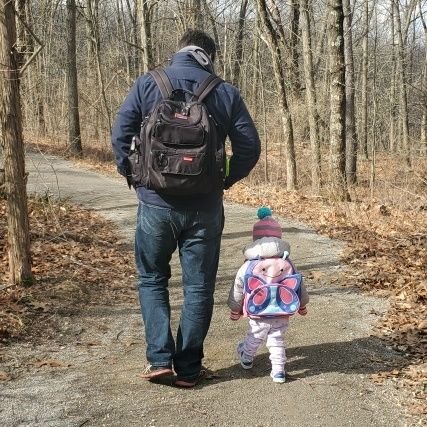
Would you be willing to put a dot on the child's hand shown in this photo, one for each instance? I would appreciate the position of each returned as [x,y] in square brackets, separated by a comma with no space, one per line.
[302,311]
[234,315]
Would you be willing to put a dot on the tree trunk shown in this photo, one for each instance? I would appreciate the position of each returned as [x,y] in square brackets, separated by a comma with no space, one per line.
[350,119]
[310,94]
[288,43]
[271,40]
[92,10]
[74,137]
[256,76]
[364,89]
[215,34]
[22,48]
[319,49]
[146,42]
[424,129]
[424,88]
[196,19]
[403,97]
[372,180]
[393,106]
[225,53]
[337,98]
[274,13]
[135,41]
[133,52]
[239,43]
[294,65]
[190,14]
[35,71]
[13,147]
[264,115]
[92,82]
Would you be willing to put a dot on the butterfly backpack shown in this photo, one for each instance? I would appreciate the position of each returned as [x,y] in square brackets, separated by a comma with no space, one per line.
[272,287]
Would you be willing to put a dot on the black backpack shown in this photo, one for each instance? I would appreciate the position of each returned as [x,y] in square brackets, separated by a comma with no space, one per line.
[179,151]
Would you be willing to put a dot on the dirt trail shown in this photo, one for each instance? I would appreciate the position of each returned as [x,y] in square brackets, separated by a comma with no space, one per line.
[330,351]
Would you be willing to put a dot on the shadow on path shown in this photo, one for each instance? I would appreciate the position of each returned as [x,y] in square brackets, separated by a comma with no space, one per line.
[364,356]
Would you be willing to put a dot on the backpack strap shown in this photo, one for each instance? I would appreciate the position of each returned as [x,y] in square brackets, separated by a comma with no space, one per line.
[251,265]
[162,81]
[204,89]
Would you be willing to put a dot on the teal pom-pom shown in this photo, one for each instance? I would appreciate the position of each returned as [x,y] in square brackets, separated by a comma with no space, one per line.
[263,212]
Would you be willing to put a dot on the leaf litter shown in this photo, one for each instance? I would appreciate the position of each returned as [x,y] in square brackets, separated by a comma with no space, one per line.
[77,259]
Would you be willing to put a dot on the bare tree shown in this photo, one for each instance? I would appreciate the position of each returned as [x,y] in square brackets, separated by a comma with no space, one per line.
[146,41]
[13,148]
[272,42]
[92,7]
[264,118]
[190,14]
[135,36]
[294,49]
[350,118]
[74,137]
[289,42]
[319,47]
[26,45]
[279,28]
[403,96]
[225,69]
[196,20]
[424,87]
[215,34]
[374,109]
[24,42]
[337,98]
[256,74]
[364,88]
[310,95]
[239,42]
[393,104]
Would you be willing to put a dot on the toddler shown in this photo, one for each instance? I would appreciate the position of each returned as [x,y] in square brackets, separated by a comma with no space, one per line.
[267,290]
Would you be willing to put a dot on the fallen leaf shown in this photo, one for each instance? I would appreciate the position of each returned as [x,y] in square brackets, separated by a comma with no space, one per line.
[128,344]
[51,363]
[4,376]
[90,343]
[316,275]
[37,305]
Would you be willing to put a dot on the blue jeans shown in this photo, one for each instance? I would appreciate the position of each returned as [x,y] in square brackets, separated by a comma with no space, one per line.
[197,234]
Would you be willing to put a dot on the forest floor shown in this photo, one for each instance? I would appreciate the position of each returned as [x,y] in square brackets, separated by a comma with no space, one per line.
[73,344]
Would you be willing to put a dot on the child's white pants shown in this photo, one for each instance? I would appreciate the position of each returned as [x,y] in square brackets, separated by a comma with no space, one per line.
[271,331]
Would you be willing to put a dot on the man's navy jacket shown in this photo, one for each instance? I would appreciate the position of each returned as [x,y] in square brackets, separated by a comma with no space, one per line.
[224,103]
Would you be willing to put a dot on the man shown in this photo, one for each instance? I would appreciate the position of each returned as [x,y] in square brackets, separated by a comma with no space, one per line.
[192,223]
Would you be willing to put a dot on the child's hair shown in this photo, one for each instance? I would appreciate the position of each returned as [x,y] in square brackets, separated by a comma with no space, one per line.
[267,226]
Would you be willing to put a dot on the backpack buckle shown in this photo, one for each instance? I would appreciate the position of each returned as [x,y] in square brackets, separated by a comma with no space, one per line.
[162,160]
[186,110]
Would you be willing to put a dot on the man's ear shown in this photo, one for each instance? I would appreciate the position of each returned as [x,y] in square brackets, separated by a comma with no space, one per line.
[212,57]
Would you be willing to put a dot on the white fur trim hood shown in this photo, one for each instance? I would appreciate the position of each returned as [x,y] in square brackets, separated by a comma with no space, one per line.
[266,247]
